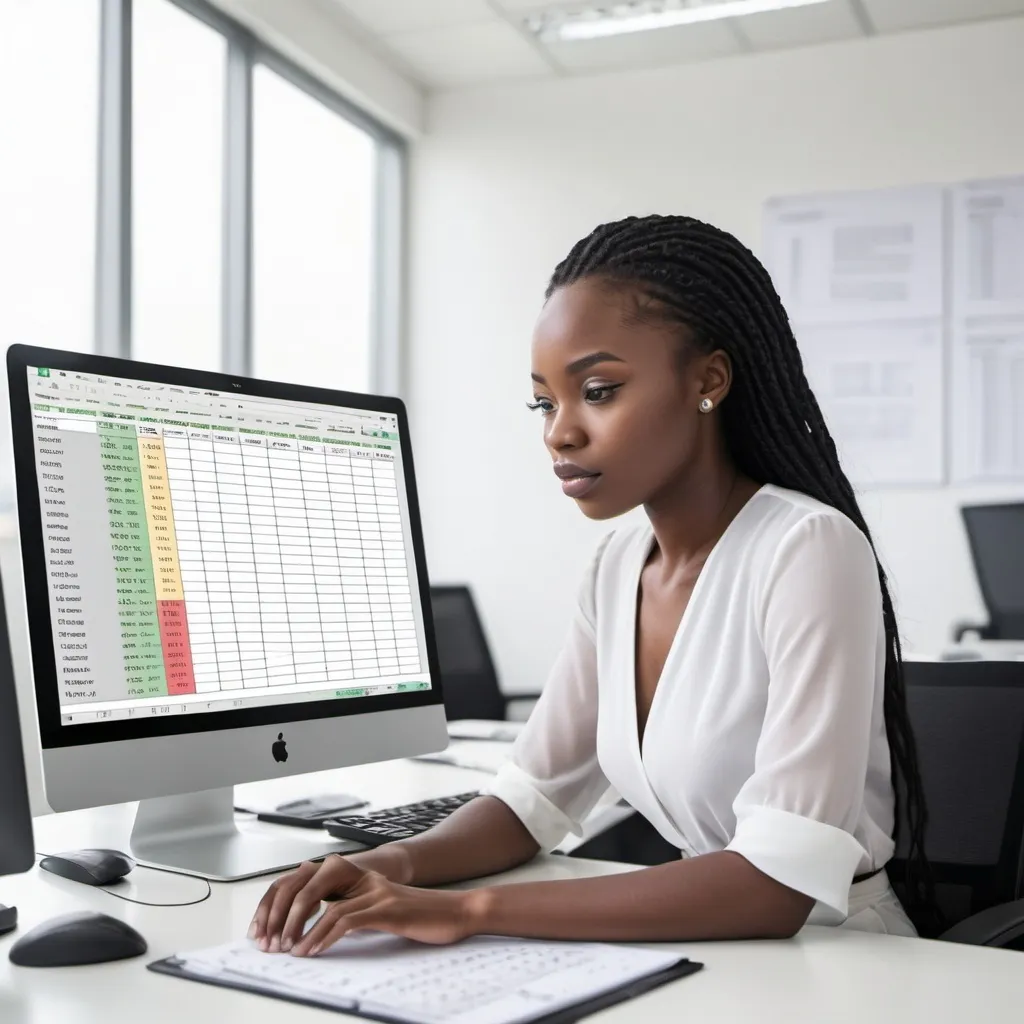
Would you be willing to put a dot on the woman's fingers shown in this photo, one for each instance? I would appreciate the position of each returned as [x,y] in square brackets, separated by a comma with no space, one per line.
[337,921]
[273,908]
[336,877]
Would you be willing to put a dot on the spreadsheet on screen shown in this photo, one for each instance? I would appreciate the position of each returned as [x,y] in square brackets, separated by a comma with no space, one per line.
[208,551]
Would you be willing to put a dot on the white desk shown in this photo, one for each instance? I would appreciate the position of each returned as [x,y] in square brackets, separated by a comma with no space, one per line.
[824,976]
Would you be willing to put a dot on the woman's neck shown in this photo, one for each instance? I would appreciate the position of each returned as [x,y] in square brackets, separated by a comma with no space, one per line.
[692,515]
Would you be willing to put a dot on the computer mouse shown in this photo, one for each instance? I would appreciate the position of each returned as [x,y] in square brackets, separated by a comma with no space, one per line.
[91,867]
[8,919]
[83,938]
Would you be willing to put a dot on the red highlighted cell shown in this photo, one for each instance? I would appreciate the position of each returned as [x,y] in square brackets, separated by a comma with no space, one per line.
[174,637]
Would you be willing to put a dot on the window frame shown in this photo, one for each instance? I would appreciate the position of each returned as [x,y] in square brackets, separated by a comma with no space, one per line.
[113,328]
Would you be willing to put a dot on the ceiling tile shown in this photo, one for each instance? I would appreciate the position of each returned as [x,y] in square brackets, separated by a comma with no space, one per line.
[647,49]
[895,15]
[411,15]
[800,26]
[468,53]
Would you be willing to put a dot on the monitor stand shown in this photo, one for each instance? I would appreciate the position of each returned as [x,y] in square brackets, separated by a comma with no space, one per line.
[196,834]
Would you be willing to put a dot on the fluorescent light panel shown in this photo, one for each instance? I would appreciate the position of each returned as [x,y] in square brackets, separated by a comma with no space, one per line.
[572,26]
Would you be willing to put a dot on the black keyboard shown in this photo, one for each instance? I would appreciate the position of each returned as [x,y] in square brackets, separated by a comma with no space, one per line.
[379,827]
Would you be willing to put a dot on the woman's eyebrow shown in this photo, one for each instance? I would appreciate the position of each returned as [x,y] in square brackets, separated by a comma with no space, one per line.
[583,363]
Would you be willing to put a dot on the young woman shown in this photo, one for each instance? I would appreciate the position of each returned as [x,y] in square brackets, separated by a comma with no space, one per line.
[733,667]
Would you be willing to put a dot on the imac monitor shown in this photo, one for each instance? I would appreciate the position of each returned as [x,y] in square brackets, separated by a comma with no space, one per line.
[225,582]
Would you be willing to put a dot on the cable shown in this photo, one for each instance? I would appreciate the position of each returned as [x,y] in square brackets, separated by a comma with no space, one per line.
[147,903]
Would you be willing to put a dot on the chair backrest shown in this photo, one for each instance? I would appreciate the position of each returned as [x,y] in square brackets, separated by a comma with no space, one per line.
[968,722]
[470,682]
[996,537]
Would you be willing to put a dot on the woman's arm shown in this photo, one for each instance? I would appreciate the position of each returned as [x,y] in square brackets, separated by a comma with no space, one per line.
[481,838]
[715,896]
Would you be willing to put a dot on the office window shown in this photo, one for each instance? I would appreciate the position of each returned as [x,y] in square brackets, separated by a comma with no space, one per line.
[178,76]
[313,253]
[303,296]
[49,101]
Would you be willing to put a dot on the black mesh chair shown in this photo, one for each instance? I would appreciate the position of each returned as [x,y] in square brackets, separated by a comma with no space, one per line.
[995,534]
[968,720]
[470,681]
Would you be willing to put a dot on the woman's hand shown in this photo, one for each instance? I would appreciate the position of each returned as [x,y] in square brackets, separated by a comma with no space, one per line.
[361,899]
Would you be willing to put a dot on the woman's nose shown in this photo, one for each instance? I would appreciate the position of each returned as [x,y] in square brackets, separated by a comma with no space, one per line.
[564,431]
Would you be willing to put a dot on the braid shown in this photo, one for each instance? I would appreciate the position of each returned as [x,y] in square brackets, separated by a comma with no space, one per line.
[703,278]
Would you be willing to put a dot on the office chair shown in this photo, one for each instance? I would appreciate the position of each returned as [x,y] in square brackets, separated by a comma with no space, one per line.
[996,537]
[468,675]
[968,720]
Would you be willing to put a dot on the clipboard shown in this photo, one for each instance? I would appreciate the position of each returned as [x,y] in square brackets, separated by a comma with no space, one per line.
[177,968]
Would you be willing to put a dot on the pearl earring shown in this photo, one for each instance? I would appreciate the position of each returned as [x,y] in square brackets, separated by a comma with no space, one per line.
[706,405]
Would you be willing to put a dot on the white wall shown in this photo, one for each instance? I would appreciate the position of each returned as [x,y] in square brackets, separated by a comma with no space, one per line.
[508,178]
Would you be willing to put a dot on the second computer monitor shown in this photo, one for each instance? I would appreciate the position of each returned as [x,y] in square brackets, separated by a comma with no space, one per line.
[225,582]
[16,845]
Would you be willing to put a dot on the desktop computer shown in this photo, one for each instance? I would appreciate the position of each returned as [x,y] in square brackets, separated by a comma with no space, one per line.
[225,582]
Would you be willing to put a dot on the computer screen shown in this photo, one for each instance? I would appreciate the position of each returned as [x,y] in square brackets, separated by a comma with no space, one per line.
[208,551]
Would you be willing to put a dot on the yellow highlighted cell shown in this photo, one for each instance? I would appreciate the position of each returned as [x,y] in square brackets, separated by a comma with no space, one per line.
[156,490]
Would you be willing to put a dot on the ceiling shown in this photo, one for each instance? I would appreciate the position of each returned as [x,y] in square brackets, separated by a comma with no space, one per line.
[448,44]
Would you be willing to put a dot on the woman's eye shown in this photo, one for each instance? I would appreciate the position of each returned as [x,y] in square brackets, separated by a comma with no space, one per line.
[601,393]
[543,404]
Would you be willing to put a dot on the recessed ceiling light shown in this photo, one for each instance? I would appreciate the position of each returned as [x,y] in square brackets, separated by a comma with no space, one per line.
[616,19]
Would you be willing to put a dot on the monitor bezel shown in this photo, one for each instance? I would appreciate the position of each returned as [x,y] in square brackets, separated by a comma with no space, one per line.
[44,662]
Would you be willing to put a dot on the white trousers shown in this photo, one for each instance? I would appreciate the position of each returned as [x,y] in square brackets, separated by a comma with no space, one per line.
[873,907]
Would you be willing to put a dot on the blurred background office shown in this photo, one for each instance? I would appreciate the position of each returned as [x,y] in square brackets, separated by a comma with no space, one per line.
[372,194]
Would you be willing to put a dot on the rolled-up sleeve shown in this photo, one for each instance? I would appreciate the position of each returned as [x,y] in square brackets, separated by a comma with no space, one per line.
[552,779]
[820,620]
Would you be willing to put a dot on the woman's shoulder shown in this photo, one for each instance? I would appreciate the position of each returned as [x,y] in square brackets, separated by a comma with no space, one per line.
[785,512]
[800,530]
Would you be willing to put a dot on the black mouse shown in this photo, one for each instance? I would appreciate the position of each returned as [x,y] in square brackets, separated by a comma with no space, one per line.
[91,867]
[70,939]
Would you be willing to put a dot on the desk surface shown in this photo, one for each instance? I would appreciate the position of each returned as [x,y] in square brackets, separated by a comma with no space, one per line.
[823,974]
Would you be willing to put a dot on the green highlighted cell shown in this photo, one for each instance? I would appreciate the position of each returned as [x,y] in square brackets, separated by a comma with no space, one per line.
[142,648]
[351,692]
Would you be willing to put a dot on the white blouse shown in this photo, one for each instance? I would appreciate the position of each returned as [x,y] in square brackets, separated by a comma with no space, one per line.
[766,734]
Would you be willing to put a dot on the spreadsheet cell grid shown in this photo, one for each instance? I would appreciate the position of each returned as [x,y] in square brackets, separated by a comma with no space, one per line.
[241,562]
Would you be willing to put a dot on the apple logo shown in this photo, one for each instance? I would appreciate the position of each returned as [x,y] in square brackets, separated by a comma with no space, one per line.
[279,749]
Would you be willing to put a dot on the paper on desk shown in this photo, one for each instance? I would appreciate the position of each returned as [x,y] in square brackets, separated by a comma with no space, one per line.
[484,729]
[482,980]
[481,755]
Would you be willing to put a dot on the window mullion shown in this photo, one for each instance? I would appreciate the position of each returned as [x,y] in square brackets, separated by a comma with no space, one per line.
[114,182]
[236,339]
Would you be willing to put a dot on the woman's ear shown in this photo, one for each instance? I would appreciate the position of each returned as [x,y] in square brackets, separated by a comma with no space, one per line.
[715,375]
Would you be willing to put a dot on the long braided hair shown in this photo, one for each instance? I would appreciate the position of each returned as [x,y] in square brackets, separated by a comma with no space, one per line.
[697,276]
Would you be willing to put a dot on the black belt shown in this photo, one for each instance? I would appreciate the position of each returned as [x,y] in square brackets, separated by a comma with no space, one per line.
[870,874]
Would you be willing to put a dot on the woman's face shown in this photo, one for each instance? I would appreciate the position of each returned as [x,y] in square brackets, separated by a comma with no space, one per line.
[619,400]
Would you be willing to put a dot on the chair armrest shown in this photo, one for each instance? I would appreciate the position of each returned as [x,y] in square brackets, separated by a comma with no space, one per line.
[1000,926]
